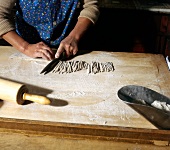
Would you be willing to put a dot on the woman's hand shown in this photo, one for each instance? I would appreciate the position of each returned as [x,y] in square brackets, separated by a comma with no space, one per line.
[69,45]
[39,50]
[32,50]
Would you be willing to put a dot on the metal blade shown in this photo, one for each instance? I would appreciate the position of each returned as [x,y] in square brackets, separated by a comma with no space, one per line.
[50,66]
[53,63]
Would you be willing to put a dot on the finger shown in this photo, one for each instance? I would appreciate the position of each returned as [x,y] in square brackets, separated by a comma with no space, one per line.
[71,49]
[47,54]
[59,51]
[68,53]
[75,50]
[42,55]
[42,45]
[47,48]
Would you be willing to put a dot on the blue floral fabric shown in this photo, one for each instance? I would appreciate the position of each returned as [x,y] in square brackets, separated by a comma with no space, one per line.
[44,20]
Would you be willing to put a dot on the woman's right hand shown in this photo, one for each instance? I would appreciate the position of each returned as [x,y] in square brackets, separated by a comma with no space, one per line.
[39,50]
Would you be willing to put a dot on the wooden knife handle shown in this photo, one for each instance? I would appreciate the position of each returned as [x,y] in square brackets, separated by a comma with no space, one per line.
[36,98]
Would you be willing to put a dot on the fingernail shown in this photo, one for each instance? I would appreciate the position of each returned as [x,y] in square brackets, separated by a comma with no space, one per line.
[56,55]
[74,53]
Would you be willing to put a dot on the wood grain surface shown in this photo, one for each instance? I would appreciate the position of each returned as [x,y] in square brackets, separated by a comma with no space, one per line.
[79,98]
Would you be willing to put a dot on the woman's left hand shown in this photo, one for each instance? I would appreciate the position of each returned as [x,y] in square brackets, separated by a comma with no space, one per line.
[69,45]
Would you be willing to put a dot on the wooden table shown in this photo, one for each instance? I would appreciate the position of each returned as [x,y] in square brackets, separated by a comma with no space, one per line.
[84,106]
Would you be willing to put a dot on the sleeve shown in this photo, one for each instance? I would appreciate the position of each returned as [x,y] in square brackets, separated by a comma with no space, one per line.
[90,10]
[6,16]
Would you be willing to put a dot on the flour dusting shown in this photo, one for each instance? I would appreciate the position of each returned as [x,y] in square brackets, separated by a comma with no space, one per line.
[82,96]
[161,105]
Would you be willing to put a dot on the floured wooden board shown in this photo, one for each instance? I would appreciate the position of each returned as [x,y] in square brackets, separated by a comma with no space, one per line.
[80,97]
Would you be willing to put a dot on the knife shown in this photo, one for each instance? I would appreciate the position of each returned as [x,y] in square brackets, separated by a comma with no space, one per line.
[53,63]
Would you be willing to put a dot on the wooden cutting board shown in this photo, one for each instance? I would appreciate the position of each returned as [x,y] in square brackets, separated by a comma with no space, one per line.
[83,98]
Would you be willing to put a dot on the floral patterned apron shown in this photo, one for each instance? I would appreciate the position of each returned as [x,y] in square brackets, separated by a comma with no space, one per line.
[44,20]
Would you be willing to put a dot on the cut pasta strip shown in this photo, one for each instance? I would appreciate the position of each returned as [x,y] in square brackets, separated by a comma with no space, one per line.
[74,66]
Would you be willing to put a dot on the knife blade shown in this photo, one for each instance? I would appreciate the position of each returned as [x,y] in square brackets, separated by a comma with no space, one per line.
[52,64]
